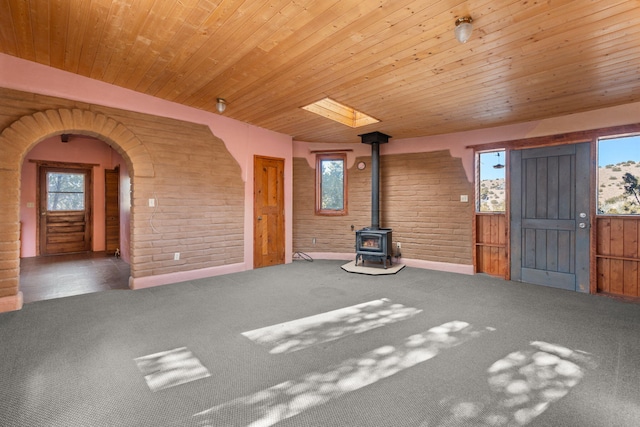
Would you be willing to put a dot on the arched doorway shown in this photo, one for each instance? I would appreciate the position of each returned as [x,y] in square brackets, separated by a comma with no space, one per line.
[17,140]
[74,199]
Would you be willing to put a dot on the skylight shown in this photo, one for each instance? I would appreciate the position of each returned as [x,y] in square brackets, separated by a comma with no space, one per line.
[340,113]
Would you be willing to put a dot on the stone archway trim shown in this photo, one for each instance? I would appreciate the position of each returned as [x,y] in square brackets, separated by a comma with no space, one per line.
[28,130]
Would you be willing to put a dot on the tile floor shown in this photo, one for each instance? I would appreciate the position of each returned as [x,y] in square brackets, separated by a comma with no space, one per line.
[58,276]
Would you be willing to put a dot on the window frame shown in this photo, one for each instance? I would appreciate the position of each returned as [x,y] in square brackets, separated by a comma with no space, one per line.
[49,192]
[478,184]
[320,158]
[598,183]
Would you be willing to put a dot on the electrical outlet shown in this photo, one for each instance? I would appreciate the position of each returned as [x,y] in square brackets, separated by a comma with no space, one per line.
[176,256]
[464,198]
[399,245]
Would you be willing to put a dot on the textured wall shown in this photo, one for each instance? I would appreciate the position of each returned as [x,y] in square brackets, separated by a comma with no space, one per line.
[196,183]
[419,199]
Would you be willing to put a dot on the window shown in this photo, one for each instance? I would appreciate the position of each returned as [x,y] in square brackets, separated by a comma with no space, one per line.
[331,184]
[619,176]
[65,191]
[490,192]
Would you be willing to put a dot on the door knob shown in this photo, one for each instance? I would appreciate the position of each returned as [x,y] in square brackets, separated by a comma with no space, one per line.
[43,213]
[582,225]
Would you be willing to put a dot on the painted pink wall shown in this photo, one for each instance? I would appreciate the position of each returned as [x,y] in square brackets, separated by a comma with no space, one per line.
[77,150]
[243,141]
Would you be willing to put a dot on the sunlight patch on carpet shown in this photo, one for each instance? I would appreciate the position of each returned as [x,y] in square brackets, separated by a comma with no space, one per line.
[320,328]
[523,385]
[287,399]
[170,368]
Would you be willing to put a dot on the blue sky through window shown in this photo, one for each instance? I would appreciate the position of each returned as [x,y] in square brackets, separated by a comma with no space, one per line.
[487,161]
[617,150]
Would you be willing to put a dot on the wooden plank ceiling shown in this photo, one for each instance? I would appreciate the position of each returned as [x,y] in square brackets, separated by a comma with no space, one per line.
[395,60]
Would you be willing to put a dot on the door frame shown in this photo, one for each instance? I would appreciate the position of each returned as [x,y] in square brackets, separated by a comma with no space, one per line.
[88,168]
[115,171]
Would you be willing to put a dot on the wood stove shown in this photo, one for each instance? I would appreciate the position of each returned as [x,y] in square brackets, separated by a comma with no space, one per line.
[374,243]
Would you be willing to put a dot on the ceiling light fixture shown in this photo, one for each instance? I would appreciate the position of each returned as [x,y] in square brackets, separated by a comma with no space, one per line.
[463,29]
[498,165]
[221,105]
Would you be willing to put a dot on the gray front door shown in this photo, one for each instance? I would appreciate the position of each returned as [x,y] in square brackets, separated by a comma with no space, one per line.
[550,216]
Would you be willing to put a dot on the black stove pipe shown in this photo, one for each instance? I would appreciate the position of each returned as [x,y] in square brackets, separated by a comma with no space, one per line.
[375,139]
[375,186]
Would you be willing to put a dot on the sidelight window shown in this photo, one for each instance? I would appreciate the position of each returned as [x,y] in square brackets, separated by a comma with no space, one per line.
[619,175]
[490,191]
[331,184]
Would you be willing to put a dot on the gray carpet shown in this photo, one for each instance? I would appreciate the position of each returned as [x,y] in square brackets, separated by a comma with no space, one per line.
[419,348]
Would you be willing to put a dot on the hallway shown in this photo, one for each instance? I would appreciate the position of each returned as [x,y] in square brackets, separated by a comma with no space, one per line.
[49,277]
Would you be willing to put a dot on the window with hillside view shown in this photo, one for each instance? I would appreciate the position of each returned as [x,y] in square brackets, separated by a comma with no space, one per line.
[331,184]
[490,191]
[619,176]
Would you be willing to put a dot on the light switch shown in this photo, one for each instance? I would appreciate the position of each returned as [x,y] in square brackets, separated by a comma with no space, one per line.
[152,203]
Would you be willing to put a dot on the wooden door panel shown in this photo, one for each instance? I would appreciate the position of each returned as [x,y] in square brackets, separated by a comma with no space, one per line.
[618,255]
[491,232]
[269,241]
[550,190]
[549,278]
[61,229]
[112,209]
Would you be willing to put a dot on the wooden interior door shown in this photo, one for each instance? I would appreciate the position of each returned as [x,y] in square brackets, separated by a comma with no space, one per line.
[65,210]
[550,216]
[268,230]
[112,209]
